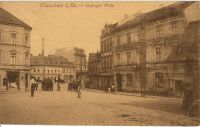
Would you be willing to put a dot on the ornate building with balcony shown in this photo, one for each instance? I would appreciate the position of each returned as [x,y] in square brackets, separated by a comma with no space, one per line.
[14,51]
[135,53]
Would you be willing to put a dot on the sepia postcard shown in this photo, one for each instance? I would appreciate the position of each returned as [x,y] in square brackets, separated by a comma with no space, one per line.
[100,63]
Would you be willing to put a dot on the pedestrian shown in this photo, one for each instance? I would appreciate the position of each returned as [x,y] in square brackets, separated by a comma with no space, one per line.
[36,86]
[51,82]
[58,85]
[42,84]
[114,86]
[108,90]
[32,87]
[5,83]
[79,88]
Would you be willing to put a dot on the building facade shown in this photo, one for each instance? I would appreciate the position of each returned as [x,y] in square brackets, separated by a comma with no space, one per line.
[135,53]
[78,57]
[94,68]
[52,67]
[14,51]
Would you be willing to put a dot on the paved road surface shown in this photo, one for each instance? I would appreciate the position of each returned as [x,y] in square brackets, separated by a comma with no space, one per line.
[94,108]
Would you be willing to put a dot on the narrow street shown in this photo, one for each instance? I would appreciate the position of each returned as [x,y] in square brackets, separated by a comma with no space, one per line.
[94,108]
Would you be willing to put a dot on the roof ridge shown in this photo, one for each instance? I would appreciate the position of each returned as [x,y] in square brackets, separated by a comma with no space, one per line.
[10,19]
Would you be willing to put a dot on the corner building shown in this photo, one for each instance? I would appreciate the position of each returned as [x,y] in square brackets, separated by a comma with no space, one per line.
[14,50]
[148,41]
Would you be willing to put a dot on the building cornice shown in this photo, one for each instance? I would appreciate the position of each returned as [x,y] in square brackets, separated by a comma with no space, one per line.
[14,45]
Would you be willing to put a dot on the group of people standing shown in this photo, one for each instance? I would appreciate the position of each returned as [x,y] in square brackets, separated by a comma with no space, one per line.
[48,84]
[112,88]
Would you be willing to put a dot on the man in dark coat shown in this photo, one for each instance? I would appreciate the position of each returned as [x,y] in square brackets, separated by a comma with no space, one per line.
[51,82]
[36,86]
[32,90]
[32,87]
[78,83]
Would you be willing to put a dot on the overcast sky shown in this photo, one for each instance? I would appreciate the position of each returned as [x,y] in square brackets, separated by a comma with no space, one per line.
[72,26]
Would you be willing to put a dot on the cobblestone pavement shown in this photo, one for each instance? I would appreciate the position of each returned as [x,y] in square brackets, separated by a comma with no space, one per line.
[94,108]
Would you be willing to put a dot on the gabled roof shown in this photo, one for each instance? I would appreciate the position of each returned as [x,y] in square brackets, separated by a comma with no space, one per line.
[9,19]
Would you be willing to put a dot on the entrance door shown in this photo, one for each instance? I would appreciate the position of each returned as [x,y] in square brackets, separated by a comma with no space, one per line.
[119,81]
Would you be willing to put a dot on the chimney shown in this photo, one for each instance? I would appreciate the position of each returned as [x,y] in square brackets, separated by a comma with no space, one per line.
[42,46]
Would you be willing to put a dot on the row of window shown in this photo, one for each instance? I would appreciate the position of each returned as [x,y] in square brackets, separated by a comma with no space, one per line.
[13,58]
[129,56]
[107,46]
[107,63]
[35,61]
[81,67]
[53,71]
[94,68]
[159,29]
[128,39]
[13,38]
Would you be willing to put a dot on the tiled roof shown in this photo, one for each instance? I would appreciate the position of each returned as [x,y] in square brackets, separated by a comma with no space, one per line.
[9,19]
[51,61]
[158,14]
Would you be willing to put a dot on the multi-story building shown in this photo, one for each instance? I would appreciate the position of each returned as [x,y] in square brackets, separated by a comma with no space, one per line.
[52,67]
[94,70]
[136,52]
[14,50]
[106,50]
[78,57]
